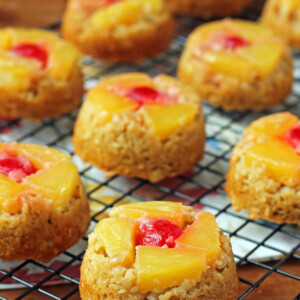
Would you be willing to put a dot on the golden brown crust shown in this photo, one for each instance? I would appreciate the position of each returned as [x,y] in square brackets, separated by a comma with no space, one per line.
[102,279]
[131,43]
[208,8]
[251,189]
[285,22]
[231,93]
[47,98]
[42,231]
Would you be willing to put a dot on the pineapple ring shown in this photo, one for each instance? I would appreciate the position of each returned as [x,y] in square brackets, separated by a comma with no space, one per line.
[264,170]
[119,31]
[50,197]
[283,16]
[39,72]
[140,126]
[125,270]
[237,65]
[208,8]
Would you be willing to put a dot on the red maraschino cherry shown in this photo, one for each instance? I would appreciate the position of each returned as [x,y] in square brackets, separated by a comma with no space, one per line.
[16,167]
[157,232]
[32,51]
[293,137]
[231,42]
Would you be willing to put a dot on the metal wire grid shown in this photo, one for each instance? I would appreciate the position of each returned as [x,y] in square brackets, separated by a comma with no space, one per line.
[205,181]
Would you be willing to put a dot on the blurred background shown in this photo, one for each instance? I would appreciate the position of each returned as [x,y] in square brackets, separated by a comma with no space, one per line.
[30,12]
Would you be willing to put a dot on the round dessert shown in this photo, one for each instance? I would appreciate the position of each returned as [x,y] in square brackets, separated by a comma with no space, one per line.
[283,16]
[264,170]
[119,30]
[140,127]
[158,250]
[43,205]
[39,72]
[237,65]
[208,8]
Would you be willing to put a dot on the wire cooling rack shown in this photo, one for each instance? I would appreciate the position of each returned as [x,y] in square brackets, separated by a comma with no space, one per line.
[267,246]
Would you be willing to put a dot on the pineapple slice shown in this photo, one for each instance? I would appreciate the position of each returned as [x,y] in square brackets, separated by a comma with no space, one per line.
[63,58]
[42,156]
[57,183]
[263,57]
[171,211]
[166,119]
[15,72]
[107,103]
[118,237]
[32,36]
[279,158]
[121,13]
[125,13]
[274,125]
[257,53]
[126,81]
[204,235]
[5,39]
[228,63]
[160,268]
[9,189]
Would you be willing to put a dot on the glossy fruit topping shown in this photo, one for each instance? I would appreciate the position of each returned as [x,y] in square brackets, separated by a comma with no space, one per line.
[32,51]
[56,183]
[117,236]
[171,211]
[16,167]
[274,125]
[157,232]
[277,159]
[160,268]
[234,42]
[204,235]
[228,42]
[293,137]
[147,95]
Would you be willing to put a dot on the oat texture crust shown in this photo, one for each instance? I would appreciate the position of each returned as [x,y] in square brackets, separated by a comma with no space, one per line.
[45,98]
[251,189]
[232,93]
[41,231]
[102,278]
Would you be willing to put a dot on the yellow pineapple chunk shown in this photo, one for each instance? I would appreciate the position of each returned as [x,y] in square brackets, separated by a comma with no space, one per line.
[41,156]
[263,57]
[274,125]
[125,13]
[34,36]
[63,58]
[121,13]
[127,81]
[107,103]
[204,235]
[171,211]
[161,268]
[57,182]
[281,161]
[228,63]
[5,39]
[15,72]
[118,237]
[9,189]
[166,119]
[259,56]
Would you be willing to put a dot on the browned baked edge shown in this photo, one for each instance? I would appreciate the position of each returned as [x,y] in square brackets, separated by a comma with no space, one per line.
[42,231]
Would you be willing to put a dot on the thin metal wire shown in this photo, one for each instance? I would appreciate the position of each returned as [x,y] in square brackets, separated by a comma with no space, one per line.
[234,124]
